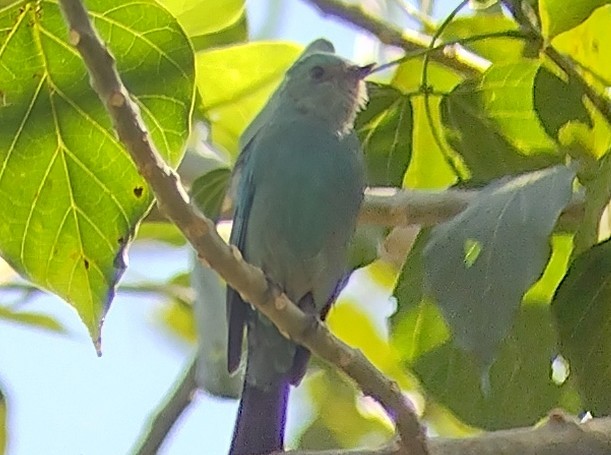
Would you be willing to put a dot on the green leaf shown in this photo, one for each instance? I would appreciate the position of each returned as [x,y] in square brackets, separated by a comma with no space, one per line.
[510,221]
[203,17]
[597,182]
[478,139]
[583,316]
[428,167]
[208,191]
[385,130]
[340,421]
[589,44]
[506,94]
[558,102]
[521,390]
[71,196]
[235,33]
[417,326]
[496,50]
[235,82]
[37,320]
[558,16]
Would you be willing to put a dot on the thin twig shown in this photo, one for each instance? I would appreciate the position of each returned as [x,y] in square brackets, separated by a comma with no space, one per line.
[165,418]
[211,249]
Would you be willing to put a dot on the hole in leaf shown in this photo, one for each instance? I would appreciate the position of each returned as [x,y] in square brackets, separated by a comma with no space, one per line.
[138,191]
[560,370]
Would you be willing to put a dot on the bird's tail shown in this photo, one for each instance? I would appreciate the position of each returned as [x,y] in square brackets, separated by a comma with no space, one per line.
[259,428]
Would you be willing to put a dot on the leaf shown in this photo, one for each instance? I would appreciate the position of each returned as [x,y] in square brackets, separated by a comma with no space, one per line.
[557,102]
[597,182]
[510,221]
[340,420]
[589,44]
[583,316]
[506,94]
[203,17]
[428,167]
[28,318]
[521,390]
[71,196]
[417,326]
[496,50]
[208,191]
[558,16]
[235,82]
[210,23]
[385,131]
[161,231]
[236,33]
[479,140]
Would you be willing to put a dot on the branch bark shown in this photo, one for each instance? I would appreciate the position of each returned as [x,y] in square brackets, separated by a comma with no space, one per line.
[211,249]
[455,57]
[559,436]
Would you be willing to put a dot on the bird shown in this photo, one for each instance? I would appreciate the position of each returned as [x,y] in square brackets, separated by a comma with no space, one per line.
[298,186]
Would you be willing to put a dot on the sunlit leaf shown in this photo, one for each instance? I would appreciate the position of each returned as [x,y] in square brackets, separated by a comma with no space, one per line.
[71,195]
[479,140]
[235,82]
[202,17]
[558,16]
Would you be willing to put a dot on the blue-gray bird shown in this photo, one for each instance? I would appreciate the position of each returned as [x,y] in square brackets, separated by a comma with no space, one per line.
[300,182]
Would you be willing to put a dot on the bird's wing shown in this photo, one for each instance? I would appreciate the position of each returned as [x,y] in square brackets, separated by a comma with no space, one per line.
[237,309]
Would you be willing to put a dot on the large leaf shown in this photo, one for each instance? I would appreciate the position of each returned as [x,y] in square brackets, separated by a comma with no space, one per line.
[202,17]
[558,16]
[417,326]
[385,130]
[71,197]
[582,309]
[479,140]
[493,49]
[506,94]
[558,102]
[428,167]
[590,44]
[521,390]
[236,81]
[210,22]
[480,263]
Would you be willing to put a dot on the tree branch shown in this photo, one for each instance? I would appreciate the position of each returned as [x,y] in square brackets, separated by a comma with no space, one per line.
[454,57]
[211,249]
[165,418]
[393,207]
[559,436]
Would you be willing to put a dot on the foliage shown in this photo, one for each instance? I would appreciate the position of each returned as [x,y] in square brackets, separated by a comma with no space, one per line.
[484,302]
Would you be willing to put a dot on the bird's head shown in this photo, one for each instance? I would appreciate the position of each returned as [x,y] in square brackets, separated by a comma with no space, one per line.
[328,87]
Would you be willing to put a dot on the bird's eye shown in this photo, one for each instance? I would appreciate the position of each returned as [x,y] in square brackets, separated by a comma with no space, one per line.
[317,73]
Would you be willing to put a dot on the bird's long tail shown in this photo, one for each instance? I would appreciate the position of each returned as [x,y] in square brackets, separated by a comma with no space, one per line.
[259,428]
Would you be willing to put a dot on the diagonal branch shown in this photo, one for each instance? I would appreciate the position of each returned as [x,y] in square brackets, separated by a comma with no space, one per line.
[211,249]
[457,58]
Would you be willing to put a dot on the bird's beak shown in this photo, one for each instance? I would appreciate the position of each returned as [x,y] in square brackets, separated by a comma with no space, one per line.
[362,72]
